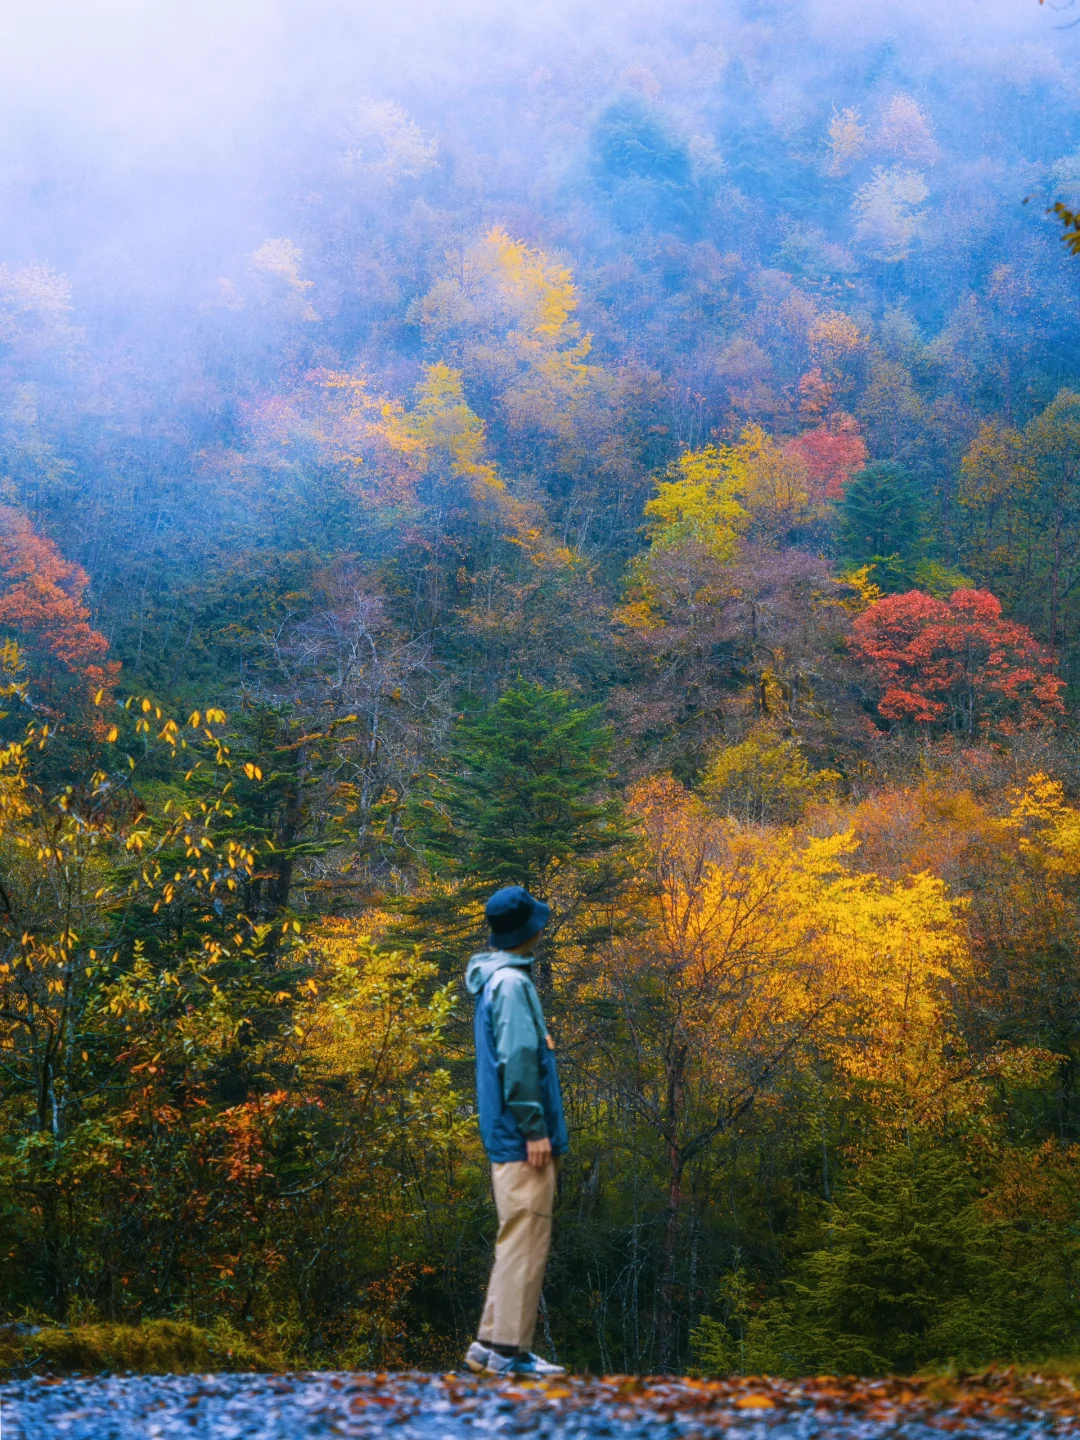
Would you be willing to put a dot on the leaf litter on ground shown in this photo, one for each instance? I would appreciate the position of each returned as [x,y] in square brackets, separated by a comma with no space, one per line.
[998,1404]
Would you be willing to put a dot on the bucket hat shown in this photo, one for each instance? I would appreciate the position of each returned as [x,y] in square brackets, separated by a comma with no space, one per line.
[515,916]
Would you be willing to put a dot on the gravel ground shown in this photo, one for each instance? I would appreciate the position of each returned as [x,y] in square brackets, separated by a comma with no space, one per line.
[451,1407]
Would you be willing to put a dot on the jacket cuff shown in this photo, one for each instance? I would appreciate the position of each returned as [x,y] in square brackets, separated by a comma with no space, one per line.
[532,1123]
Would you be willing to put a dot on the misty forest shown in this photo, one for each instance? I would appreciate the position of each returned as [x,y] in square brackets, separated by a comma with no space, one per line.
[629,450]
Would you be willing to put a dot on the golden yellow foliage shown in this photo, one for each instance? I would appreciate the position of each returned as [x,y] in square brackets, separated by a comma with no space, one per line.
[358,428]
[509,305]
[832,337]
[541,293]
[370,1016]
[776,484]
[363,439]
[1047,829]
[714,495]
[450,432]
[701,502]
[847,140]
[506,317]
[894,948]
[770,941]
[866,593]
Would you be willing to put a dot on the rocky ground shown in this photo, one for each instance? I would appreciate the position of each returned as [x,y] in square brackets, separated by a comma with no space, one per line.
[453,1407]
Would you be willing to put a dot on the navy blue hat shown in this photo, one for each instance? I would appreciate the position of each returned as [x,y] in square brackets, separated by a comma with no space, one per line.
[514,916]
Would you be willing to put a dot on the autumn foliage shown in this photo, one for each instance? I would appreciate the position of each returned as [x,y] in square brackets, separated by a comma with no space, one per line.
[42,604]
[957,663]
[652,526]
[831,453]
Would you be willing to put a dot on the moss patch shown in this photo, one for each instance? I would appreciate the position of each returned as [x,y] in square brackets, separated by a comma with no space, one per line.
[156,1347]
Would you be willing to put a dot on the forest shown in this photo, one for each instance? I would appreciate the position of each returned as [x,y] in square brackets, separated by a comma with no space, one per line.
[630,451]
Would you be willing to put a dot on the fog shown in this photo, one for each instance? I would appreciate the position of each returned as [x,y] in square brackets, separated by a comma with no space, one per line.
[676,157]
[118,116]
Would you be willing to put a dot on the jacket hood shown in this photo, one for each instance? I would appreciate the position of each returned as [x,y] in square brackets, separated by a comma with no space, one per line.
[482,966]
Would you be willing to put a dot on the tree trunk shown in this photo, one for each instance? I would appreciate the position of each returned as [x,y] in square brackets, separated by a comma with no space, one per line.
[667,1328]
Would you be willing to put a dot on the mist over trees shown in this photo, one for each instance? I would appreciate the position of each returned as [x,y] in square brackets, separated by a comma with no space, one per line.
[633,451]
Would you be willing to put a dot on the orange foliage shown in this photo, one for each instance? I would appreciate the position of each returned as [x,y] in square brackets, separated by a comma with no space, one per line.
[41,601]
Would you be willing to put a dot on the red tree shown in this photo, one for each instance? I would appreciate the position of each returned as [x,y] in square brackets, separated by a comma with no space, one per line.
[956,662]
[41,604]
[832,453]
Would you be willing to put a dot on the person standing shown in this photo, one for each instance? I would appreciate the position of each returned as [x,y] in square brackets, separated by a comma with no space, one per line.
[522,1127]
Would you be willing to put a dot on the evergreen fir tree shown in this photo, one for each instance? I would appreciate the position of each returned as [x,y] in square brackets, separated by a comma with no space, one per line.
[527,799]
[881,523]
[909,1270]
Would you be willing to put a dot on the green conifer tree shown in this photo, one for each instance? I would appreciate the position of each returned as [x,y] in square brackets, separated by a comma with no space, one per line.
[909,1270]
[527,798]
[881,523]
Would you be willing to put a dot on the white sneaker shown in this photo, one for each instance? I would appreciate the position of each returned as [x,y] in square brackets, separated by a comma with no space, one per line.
[482,1360]
[538,1365]
[476,1357]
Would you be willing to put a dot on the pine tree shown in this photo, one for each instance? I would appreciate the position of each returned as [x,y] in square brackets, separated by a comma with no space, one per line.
[526,799]
[911,1270]
[881,523]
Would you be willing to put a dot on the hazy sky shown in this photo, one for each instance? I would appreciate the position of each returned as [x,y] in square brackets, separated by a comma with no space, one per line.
[165,77]
[128,125]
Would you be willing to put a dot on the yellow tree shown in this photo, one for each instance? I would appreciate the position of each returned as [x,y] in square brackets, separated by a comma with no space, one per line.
[757,952]
[506,317]
[95,882]
[509,304]
[717,494]
[701,501]
[836,346]
[776,488]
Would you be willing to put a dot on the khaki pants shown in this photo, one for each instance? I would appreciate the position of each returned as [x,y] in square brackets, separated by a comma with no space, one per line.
[524,1198]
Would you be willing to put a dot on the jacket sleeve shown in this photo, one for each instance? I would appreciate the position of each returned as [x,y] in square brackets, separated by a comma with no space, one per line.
[517,1045]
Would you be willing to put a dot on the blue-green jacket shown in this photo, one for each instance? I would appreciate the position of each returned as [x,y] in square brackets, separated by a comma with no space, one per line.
[517,1085]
